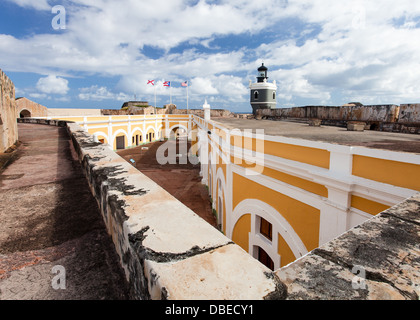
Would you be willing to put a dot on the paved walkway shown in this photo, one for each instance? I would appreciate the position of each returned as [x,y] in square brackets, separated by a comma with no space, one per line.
[49,218]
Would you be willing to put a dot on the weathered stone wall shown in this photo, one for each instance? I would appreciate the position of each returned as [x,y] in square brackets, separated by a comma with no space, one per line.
[27,108]
[385,113]
[392,118]
[377,260]
[8,124]
[409,113]
[214,113]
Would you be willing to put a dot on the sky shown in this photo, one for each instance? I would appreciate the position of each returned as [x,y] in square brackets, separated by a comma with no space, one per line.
[101,53]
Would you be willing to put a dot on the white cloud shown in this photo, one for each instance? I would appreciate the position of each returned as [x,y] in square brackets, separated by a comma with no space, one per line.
[38,95]
[35,4]
[97,93]
[53,85]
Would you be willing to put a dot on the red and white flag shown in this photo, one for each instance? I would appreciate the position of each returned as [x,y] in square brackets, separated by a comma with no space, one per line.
[152,82]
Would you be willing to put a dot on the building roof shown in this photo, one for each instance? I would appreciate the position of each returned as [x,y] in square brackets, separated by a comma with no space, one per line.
[369,138]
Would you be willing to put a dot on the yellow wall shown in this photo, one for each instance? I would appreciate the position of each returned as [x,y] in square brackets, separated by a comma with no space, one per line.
[284,251]
[313,156]
[241,231]
[400,174]
[367,206]
[303,218]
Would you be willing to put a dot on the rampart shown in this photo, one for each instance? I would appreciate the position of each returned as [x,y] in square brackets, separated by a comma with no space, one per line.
[403,118]
[168,252]
[8,125]
[27,108]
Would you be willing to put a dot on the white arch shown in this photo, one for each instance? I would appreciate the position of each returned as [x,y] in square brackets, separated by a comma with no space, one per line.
[116,133]
[100,133]
[168,131]
[136,129]
[280,226]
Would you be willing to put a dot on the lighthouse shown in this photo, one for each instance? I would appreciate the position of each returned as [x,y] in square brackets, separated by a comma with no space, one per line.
[263,93]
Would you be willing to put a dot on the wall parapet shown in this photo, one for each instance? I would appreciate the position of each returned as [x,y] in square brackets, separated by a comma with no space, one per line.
[377,260]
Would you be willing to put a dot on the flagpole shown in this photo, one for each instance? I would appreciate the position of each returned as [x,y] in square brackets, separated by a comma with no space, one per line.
[187,98]
[155,97]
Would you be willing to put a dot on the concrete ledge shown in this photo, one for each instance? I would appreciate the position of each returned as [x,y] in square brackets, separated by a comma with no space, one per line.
[379,259]
[58,123]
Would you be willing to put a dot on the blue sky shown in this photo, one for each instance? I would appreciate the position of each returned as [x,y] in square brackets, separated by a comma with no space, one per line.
[319,52]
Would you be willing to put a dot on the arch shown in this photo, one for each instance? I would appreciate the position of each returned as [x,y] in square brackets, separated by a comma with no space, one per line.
[114,138]
[259,209]
[172,129]
[25,113]
[256,94]
[99,134]
[137,140]
[149,136]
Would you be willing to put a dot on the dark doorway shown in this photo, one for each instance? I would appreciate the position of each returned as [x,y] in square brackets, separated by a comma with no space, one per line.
[265,259]
[25,114]
[120,142]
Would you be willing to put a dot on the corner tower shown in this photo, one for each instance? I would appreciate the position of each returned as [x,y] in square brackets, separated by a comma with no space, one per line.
[263,93]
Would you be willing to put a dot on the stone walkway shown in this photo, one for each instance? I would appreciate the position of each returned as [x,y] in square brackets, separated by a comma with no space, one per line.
[49,218]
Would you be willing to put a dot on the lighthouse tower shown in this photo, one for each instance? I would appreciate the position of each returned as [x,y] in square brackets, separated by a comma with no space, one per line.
[263,93]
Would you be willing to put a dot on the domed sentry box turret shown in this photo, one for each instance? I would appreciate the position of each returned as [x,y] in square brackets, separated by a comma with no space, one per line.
[263,93]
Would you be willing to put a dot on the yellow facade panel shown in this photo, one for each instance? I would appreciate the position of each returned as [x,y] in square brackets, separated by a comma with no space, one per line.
[307,185]
[367,206]
[304,219]
[312,156]
[399,174]
[286,254]
[241,231]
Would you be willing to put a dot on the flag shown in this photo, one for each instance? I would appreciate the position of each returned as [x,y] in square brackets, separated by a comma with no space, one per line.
[167,84]
[152,82]
[184,84]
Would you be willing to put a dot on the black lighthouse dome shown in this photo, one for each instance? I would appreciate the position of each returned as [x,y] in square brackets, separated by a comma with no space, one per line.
[262,73]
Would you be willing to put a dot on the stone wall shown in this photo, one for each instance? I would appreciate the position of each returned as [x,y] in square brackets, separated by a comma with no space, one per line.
[385,113]
[214,113]
[377,260]
[409,113]
[404,118]
[27,108]
[8,124]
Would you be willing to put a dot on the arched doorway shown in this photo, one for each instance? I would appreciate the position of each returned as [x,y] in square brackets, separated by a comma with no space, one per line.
[25,114]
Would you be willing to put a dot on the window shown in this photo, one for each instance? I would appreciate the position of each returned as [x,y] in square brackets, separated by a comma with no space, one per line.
[274,95]
[256,95]
[266,229]
[265,259]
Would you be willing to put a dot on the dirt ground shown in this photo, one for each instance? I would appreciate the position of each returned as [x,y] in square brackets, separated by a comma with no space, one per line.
[183,181]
